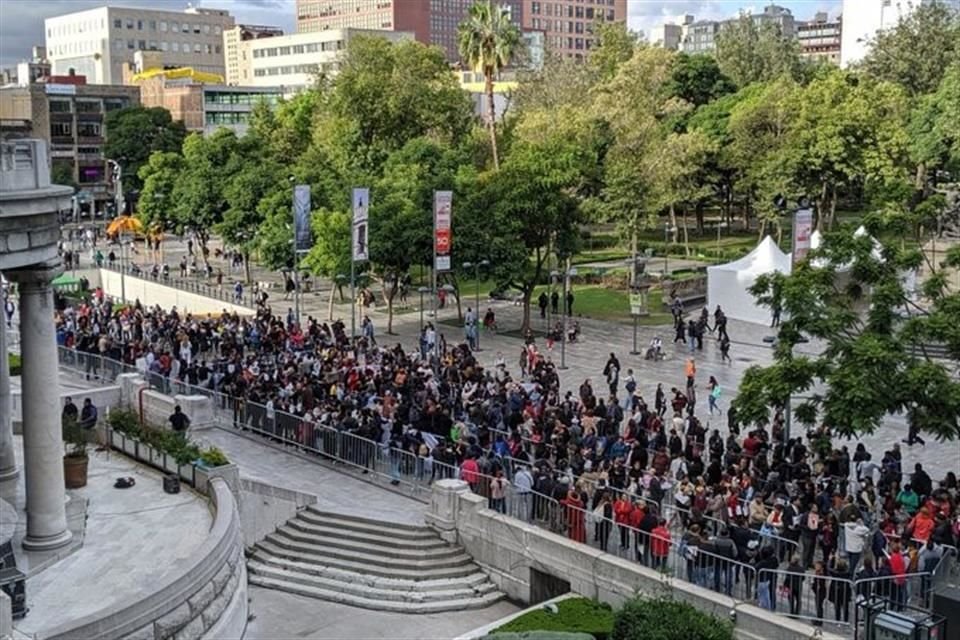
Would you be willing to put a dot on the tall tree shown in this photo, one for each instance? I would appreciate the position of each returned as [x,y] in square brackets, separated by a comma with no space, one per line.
[615,45]
[916,52]
[160,176]
[488,40]
[748,51]
[698,79]
[136,132]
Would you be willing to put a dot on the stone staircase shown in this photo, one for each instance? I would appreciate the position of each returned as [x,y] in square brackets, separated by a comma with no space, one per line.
[365,563]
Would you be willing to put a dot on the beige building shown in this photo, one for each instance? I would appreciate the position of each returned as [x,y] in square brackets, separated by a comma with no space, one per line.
[294,61]
[98,43]
[231,46]
[820,38]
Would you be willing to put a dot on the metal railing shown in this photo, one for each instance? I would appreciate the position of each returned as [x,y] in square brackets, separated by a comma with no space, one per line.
[198,284]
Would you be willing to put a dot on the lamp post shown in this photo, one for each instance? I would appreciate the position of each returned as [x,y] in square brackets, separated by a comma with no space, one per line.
[421,291]
[667,230]
[567,272]
[720,225]
[476,310]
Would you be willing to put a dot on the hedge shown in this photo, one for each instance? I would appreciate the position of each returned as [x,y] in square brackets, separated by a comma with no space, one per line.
[16,364]
[666,619]
[577,615]
[173,444]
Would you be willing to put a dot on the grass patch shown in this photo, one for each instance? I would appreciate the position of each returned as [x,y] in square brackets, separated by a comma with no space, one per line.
[16,364]
[574,615]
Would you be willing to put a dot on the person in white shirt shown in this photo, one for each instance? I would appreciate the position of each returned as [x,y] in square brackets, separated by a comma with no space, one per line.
[856,538]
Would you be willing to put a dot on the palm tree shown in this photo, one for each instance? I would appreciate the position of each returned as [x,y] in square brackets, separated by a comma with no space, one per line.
[488,40]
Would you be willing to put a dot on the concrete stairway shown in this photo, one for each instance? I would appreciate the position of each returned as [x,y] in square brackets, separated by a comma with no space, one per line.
[366,563]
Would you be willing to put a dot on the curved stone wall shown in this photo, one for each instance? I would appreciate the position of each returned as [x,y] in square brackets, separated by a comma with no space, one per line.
[205,595]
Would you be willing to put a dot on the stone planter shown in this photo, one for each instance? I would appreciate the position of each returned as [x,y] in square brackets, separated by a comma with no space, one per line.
[170,465]
[75,471]
[130,447]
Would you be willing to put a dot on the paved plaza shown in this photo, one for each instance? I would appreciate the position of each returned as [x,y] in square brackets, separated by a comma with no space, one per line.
[133,537]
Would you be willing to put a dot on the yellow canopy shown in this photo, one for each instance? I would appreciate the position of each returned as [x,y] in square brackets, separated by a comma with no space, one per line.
[125,223]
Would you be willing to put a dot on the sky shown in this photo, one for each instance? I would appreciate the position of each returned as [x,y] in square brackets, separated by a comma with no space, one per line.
[21,21]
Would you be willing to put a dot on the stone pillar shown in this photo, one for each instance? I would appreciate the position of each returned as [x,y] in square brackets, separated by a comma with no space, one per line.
[444,506]
[8,458]
[40,391]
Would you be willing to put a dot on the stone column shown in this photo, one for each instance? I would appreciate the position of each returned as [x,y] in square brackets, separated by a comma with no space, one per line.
[40,391]
[8,458]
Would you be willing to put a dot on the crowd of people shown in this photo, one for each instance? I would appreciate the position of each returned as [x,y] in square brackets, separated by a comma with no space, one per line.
[643,470]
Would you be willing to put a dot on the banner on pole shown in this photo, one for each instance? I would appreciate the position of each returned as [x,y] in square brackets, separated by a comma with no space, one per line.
[361,207]
[442,239]
[301,218]
[802,231]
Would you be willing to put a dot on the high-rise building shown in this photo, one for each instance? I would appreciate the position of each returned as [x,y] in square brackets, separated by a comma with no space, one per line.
[862,19]
[232,38]
[568,25]
[430,21]
[294,61]
[98,43]
[701,36]
[820,38]
[669,35]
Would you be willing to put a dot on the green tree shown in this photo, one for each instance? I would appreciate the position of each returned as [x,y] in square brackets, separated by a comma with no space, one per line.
[698,79]
[749,52]
[934,129]
[916,52]
[136,132]
[330,255]
[615,45]
[667,619]
[488,40]
[875,334]
[160,175]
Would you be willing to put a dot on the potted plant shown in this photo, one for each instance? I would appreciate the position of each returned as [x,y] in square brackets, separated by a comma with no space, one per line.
[75,460]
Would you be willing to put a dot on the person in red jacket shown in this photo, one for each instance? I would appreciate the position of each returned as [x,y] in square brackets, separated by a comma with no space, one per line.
[621,515]
[573,505]
[470,473]
[660,544]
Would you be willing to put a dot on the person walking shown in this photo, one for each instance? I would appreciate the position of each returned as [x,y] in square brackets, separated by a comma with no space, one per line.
[660,544]
[725,349]
[715,390]
[542,302]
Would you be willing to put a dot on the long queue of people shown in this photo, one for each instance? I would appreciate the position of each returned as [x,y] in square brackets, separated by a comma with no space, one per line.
[650,479]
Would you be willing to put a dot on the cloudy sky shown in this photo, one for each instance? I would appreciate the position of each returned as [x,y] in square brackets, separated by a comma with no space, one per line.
[21,21]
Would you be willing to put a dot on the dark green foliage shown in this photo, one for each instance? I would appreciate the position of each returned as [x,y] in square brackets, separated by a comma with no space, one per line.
[578,615]
[665,619]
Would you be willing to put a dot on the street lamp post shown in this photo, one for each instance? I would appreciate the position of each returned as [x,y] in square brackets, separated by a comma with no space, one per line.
[476,312]
[421,291]
[566,314]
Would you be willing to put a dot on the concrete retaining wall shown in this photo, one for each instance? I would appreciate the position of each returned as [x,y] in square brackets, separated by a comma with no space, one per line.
[202,596]
[157,407]
[102,397]
[152,293]
[509,549]
[264,507]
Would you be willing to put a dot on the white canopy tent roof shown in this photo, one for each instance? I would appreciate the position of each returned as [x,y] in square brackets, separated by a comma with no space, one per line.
[728,285]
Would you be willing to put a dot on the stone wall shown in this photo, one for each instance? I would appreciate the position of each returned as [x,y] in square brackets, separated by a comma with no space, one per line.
[153,293]
[508,549]
[203,596]
[264,507]
[157,407]
[102,397]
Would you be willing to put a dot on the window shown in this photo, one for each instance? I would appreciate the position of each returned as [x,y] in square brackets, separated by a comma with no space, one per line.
[208,49]
[129,23]
[141,44]
[535,8]
[219,49]
[196,47]
[92,174]
[89,151]
[131,45]
[139,25]
[312,47]
[175,27]
[88,106]
[163,26]
[271,52]
[298,48]
[284,51]
[117,23]
[88,129]
[206,29]
[61,129]
[196,29]
[216,30]
[175,46]
[118,44]
[59,106]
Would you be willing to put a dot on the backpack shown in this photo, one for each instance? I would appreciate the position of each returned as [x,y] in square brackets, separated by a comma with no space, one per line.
[631,385]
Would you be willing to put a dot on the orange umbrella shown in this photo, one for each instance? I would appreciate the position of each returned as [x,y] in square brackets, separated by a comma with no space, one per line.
[125,223]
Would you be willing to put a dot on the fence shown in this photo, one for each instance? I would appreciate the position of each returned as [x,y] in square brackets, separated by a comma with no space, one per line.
[822,599]
[198,284]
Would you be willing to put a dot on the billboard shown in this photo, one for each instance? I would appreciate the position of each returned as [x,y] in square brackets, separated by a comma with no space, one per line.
[361,208]
[301,217]
[442,239]
[802,230]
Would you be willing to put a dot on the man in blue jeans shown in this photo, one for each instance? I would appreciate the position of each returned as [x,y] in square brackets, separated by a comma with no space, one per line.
[855,539]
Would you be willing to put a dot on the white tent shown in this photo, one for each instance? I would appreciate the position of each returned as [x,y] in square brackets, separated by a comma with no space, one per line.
[729,284]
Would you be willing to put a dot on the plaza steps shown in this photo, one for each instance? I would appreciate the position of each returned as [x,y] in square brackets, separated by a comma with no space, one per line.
[361,562]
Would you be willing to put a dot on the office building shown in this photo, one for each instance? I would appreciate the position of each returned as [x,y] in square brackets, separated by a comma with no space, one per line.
[568,24]
[430,21]
[668,36]
[820,38]
[295,61]
[97,43]
[862,19]
[231,46]
[70,116]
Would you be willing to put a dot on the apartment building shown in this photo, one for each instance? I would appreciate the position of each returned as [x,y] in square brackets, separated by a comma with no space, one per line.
[70,116]
[98,43]
[862,19]
[294,61]
[430,21]
[231,46]
[568,25]
[820,38]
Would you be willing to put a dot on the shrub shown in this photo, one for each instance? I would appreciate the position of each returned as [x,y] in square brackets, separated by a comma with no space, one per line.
[666,619]
[16,364]
[126,421]
[574,615]
[213,457]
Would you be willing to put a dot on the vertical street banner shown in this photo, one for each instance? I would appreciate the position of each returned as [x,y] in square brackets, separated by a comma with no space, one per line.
[361,208]
[442,240]
[301,218]
[802,231]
